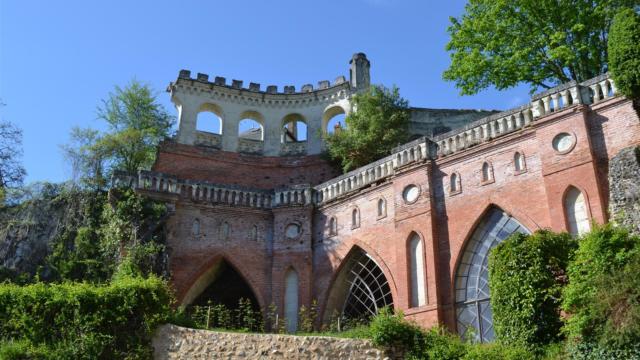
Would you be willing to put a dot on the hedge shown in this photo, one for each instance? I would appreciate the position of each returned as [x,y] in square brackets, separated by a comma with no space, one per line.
[83,321]
[526,275]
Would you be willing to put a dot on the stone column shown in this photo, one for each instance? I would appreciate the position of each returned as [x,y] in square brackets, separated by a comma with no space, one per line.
[230,131]
[187,118]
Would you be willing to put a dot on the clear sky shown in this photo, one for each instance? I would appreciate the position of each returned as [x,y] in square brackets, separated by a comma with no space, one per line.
[58,59]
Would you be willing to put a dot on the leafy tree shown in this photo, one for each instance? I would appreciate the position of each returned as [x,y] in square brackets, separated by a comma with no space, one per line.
[12,172]
[542,43]
[378,124]
[624,53]
[136,124]
[526,277]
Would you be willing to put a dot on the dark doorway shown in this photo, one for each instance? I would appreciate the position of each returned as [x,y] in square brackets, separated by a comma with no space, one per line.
[226,289]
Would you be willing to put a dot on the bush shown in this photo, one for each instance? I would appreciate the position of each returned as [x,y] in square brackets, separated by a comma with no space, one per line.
[392,330]
[603,295]
[79,320]
[526,275]
[624,52]
[439,344]
[497,352]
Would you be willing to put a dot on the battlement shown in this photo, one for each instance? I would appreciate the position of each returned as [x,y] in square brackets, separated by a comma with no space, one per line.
[219,81]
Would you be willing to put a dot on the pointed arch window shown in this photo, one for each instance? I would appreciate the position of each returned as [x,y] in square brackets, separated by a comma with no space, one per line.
[417,271]
[519,163]
[225,230]
[454,184]
[195,227]
[355,218]
[576,212]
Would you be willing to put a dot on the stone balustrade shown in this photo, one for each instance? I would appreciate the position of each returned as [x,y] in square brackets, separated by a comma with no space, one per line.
[250,146]
[204,138]
[293,148]
[542,104]
[410,153]
[291,196]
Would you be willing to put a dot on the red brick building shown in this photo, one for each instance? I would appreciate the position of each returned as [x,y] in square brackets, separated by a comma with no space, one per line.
[263,216]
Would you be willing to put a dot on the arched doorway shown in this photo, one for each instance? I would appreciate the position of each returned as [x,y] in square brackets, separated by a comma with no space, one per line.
[359,290]
[226,287]
[576,213]
[474,318]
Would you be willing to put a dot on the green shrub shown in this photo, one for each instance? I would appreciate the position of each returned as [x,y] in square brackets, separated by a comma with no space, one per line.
[392,330]
[603,295]
[624,52]
[497,352]
[440,344]
[526,274]
[79,320]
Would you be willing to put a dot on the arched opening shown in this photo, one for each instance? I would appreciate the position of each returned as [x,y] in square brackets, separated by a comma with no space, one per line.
[454,183]
[225,230]
[333,118]
[576,213]
[473,310]
[294,129]
[355,219]
[333,226]
[225,286]
[608,88]
[487,172]
[195,227]
[250,129]
[359,290]
[382,208]
[291,300]
[209,119]
[416,270]
[518,162]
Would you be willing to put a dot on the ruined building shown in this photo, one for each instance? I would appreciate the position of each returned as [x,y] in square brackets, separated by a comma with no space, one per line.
[257,213]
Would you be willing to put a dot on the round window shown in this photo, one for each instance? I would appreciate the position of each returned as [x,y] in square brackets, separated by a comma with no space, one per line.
[411,193]
[292,231]
[563,142]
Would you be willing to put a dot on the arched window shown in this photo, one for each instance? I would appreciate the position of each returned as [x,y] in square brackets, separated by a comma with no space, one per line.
[291,300]
[416,269]
[333,226]
[576,212]
[294,129]
[209,119]
[487,172]
[355,218]
[454,184]
[225,230]
[195,227]
[254,233]
[473,309]
[333,118]
[518,162]
[250,129]
[382,208]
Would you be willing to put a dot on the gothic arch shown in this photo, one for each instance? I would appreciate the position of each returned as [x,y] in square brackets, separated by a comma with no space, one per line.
[207,274]
[291,298]
[416,270]
[470,284]
[339,291]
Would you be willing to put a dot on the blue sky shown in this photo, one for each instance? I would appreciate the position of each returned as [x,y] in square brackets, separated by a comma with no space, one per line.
[58,59]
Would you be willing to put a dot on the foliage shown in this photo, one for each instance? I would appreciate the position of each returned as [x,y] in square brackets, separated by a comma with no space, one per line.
[526,276]
[136,124]
[624,52]
[502,43]
[389,329]
[12,172]
[497,352]
[603,297]
[378,124]
[91,322]
[440,344]
[218,316]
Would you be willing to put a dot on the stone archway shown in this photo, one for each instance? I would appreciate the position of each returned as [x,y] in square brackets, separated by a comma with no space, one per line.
[474,318]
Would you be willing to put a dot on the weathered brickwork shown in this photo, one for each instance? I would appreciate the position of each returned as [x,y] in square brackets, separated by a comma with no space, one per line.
[544,164]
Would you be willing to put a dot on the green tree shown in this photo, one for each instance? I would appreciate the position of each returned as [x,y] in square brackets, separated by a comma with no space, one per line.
[526,277]
[12,172]
[624,53]
[378,124]
[136,123]
[542,43]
